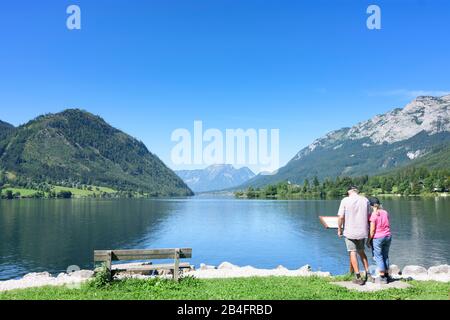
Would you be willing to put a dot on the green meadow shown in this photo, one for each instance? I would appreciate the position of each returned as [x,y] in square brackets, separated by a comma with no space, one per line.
[257,288]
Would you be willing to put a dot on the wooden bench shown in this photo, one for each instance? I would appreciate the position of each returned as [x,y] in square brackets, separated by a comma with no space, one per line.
[107,256]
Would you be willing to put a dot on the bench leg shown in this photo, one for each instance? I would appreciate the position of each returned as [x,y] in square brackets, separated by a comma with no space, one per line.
[176,270]
[108,265]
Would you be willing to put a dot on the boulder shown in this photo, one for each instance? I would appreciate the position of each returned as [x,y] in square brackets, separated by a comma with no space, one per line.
[37,275]
[439,270]
[439,273]
[394,270]
[132,276]
[206,267]
[305,268]
[248,268]
[82,274]
[63,277]
[227,266]
[415,272]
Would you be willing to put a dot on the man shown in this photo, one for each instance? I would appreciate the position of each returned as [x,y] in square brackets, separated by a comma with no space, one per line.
[354,213]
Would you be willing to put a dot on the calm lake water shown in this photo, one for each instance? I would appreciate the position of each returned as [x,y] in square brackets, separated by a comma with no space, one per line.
[50,235]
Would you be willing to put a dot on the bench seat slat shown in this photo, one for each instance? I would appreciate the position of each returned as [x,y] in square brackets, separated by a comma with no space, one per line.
[124,257]
[145,251]
[149,267]
[117,255]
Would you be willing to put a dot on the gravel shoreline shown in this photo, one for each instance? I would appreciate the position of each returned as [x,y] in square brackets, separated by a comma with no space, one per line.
[225,270]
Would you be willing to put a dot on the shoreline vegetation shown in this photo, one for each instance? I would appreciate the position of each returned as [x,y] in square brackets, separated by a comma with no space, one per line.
[418,182]
[414,182]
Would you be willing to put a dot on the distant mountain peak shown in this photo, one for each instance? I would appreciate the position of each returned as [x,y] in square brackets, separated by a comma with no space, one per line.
[425,113]
[76,113]
[215,177]
[219,166]
[429,114]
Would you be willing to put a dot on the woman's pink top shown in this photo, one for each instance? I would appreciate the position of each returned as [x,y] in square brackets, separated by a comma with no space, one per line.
[382,226]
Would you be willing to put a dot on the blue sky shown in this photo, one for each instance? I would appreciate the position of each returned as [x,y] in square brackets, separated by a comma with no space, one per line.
[150,67]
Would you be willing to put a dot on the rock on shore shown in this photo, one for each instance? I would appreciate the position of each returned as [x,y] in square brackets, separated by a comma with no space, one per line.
[437,273]
[228,270]
[224,270]
[46,279]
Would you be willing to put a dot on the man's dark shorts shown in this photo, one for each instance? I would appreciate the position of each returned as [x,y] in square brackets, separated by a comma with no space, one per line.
[354,245]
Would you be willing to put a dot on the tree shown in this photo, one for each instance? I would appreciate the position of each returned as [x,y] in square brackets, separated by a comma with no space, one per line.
[270,191]
[305,186]
[387,185]
[9,194]
[64,194]
[316,184]
[3,179]
[416,188]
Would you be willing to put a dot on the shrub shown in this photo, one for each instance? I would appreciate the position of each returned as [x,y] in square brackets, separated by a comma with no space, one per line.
[101,278]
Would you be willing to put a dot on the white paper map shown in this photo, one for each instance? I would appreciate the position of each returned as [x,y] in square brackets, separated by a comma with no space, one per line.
[329,222]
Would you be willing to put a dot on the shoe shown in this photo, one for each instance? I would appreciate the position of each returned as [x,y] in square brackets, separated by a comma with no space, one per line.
[359,281]
[381,280]
[370,278]
[389,278]
[384,280]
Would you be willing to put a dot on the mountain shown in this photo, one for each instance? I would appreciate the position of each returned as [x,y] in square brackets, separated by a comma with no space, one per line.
[80,147]
[5,127]
[380,144]
[215,177]
[437,158]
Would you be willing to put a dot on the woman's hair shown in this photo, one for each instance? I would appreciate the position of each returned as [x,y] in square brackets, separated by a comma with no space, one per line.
[375,202]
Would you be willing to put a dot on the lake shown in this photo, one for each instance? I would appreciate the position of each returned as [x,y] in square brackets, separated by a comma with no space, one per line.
[50,235]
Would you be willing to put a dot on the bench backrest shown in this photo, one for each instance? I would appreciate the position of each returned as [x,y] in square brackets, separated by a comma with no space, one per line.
[146,254]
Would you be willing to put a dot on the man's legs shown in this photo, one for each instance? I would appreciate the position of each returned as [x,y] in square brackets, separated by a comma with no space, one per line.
[351,270]
[364,259]
[354,247]
[354,262]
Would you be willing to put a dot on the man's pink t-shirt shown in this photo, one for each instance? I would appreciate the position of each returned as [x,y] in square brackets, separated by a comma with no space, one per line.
[382,226]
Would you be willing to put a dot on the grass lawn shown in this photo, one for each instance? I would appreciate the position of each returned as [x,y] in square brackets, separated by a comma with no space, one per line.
[76,193]
[278,288]
[84,193]
[23,192]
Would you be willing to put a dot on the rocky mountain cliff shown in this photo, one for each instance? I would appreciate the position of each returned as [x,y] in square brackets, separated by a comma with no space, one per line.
[379,144]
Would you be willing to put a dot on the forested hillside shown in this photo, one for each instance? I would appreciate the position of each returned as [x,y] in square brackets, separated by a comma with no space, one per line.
[76,147]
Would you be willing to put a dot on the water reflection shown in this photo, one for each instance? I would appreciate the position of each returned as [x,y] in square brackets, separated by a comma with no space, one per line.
[38,235]
[42,235]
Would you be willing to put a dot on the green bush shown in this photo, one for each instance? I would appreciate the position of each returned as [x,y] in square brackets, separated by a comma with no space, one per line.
[101,279]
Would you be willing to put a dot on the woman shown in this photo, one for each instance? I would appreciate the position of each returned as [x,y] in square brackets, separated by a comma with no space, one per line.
[380,238]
